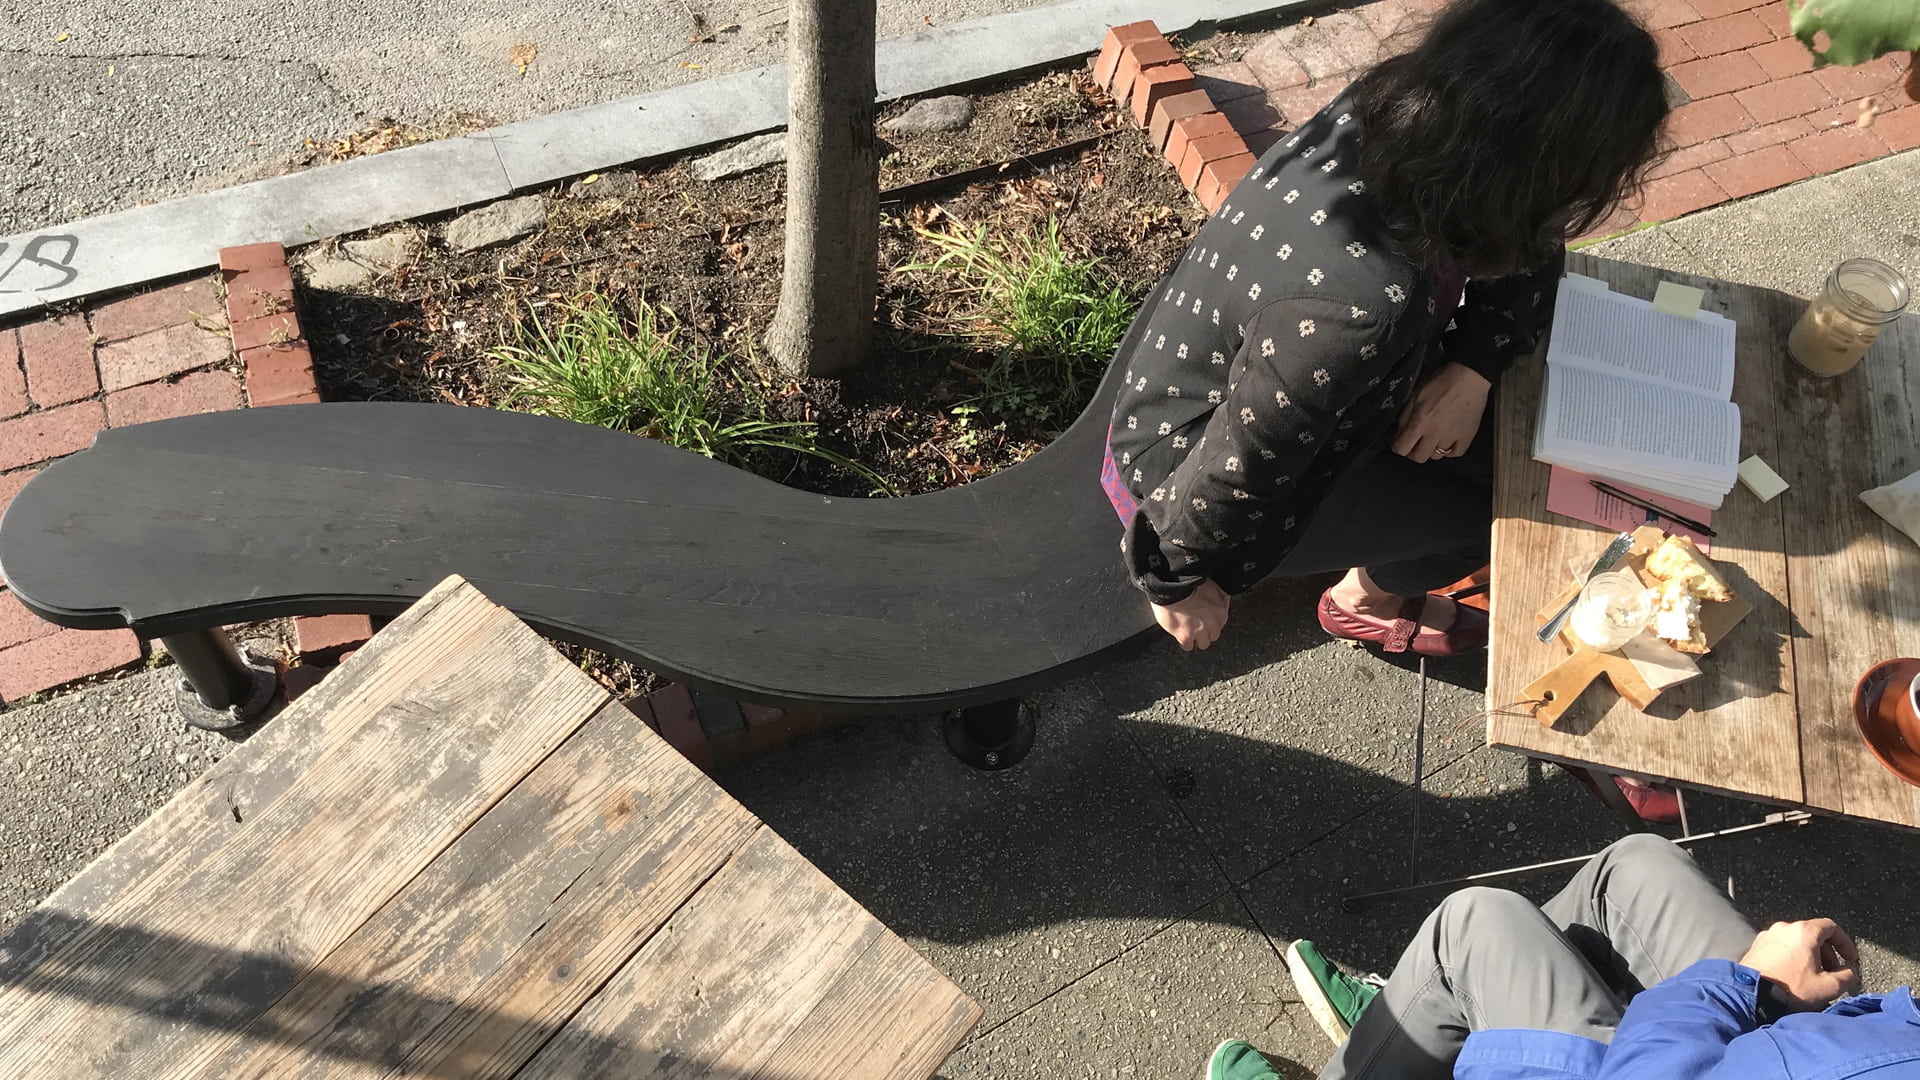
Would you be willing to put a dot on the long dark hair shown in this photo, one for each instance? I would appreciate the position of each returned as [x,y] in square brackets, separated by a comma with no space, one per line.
[1513,126]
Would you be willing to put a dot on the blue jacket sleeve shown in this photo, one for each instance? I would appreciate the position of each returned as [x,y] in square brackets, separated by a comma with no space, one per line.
[1681,1027]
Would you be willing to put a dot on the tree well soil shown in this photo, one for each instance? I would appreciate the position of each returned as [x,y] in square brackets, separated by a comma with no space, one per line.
[711,254]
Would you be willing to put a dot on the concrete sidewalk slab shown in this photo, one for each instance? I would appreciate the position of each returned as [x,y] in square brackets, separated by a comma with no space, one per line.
[1788,239]
[1015,884]
[1157,1010]
[1281,733]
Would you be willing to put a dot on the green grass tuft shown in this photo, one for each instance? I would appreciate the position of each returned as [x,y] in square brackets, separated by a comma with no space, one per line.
[586,364]
[1048,313]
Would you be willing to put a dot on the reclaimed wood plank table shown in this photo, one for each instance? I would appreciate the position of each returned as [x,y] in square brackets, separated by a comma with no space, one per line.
[1836,589]
[457,858]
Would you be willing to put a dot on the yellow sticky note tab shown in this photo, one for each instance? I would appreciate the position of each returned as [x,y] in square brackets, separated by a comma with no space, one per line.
[1760,478]
[1675,299]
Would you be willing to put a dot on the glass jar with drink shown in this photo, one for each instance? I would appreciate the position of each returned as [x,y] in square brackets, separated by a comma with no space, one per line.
[1860,297]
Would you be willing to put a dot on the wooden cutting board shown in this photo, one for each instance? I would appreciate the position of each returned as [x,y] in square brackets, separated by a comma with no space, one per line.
[1638,672]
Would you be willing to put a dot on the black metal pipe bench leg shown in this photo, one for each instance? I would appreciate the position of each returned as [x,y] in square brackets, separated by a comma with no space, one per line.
[990,737]
[219,689]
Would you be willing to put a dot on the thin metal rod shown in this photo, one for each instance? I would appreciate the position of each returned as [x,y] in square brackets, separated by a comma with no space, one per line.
[1419,774]
[1680,797]
[220,679]
[1493,877]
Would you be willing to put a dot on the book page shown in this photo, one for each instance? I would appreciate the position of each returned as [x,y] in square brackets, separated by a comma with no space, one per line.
[1599,422]
[1625,335]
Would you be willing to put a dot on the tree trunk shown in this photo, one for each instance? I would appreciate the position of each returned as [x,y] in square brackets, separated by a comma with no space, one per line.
[825,319]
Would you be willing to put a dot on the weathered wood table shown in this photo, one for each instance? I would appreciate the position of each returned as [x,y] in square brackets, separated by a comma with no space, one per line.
[458,857]
[1835,588]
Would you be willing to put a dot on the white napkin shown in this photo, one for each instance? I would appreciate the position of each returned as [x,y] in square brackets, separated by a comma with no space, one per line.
[1899,503]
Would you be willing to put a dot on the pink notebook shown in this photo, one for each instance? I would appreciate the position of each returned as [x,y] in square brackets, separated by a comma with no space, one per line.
[1571,494]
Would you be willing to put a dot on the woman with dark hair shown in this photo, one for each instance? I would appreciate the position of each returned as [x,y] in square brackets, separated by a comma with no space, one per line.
[1317,322]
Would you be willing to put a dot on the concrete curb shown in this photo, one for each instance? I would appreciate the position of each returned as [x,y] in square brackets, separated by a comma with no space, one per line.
[113,251]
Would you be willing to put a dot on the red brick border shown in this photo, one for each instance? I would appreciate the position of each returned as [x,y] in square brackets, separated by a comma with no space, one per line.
[1144,72]
[265,320]
[164,352]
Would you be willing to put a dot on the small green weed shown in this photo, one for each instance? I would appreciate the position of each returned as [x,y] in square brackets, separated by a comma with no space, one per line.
[1046,311]
[588,365]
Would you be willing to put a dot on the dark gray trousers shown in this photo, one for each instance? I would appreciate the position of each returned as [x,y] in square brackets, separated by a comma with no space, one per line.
[1639,912]
[1415,527]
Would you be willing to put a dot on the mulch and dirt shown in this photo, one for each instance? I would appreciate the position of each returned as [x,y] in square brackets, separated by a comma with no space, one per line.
[711,254]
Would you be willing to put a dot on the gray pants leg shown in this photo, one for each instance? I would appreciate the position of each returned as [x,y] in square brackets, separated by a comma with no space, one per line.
[1642,912]
[1486,958]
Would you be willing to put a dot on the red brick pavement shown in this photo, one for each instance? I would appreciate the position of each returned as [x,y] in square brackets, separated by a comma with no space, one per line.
[1754,115]
[164,352]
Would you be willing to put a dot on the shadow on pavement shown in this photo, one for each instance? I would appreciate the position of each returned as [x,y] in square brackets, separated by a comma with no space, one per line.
[1147,822]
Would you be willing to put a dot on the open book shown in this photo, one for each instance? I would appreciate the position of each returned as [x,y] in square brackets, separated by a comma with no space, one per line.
[1638,396]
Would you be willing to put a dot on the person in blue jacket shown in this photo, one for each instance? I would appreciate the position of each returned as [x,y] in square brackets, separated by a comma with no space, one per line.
[1640,969]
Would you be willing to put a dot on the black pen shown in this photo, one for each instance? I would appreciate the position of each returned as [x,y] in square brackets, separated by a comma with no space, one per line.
[1609,489]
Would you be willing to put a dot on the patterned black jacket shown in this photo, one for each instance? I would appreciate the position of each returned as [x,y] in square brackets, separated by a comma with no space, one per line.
[1278,352]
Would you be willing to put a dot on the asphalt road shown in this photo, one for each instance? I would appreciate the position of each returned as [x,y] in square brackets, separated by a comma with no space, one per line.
[111,104]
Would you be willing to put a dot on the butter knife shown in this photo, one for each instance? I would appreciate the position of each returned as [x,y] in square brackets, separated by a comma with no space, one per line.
[1609,559]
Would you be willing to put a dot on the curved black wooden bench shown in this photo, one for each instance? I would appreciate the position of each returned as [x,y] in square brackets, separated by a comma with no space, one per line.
[697,570]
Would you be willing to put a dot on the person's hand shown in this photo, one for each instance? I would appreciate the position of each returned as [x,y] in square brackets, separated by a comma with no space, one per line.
[1444,414]
[1195,622]
[1814,961]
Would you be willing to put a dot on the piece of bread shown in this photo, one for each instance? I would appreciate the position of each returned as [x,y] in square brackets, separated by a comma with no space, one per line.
[1678,560]
[1676,618]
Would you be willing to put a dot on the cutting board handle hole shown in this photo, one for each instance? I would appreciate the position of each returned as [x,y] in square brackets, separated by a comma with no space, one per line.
[1548,697]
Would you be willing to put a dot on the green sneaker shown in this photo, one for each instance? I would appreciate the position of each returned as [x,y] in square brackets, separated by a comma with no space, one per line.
[1335,998]
[1235,1060]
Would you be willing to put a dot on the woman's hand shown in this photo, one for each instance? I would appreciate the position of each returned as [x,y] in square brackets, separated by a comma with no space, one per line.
[1195,622]
[1444,414]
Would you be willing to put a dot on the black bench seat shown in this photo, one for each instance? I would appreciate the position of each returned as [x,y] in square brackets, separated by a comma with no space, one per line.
[694,569]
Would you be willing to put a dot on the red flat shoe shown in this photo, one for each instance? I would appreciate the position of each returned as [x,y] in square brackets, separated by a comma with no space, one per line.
[1653,802]
[1404,632]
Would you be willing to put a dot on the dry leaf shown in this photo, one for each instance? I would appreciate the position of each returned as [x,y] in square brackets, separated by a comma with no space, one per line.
[61,36]
[1868,110]
[590,178]
[523,56]
[689,65]
[1308,21]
